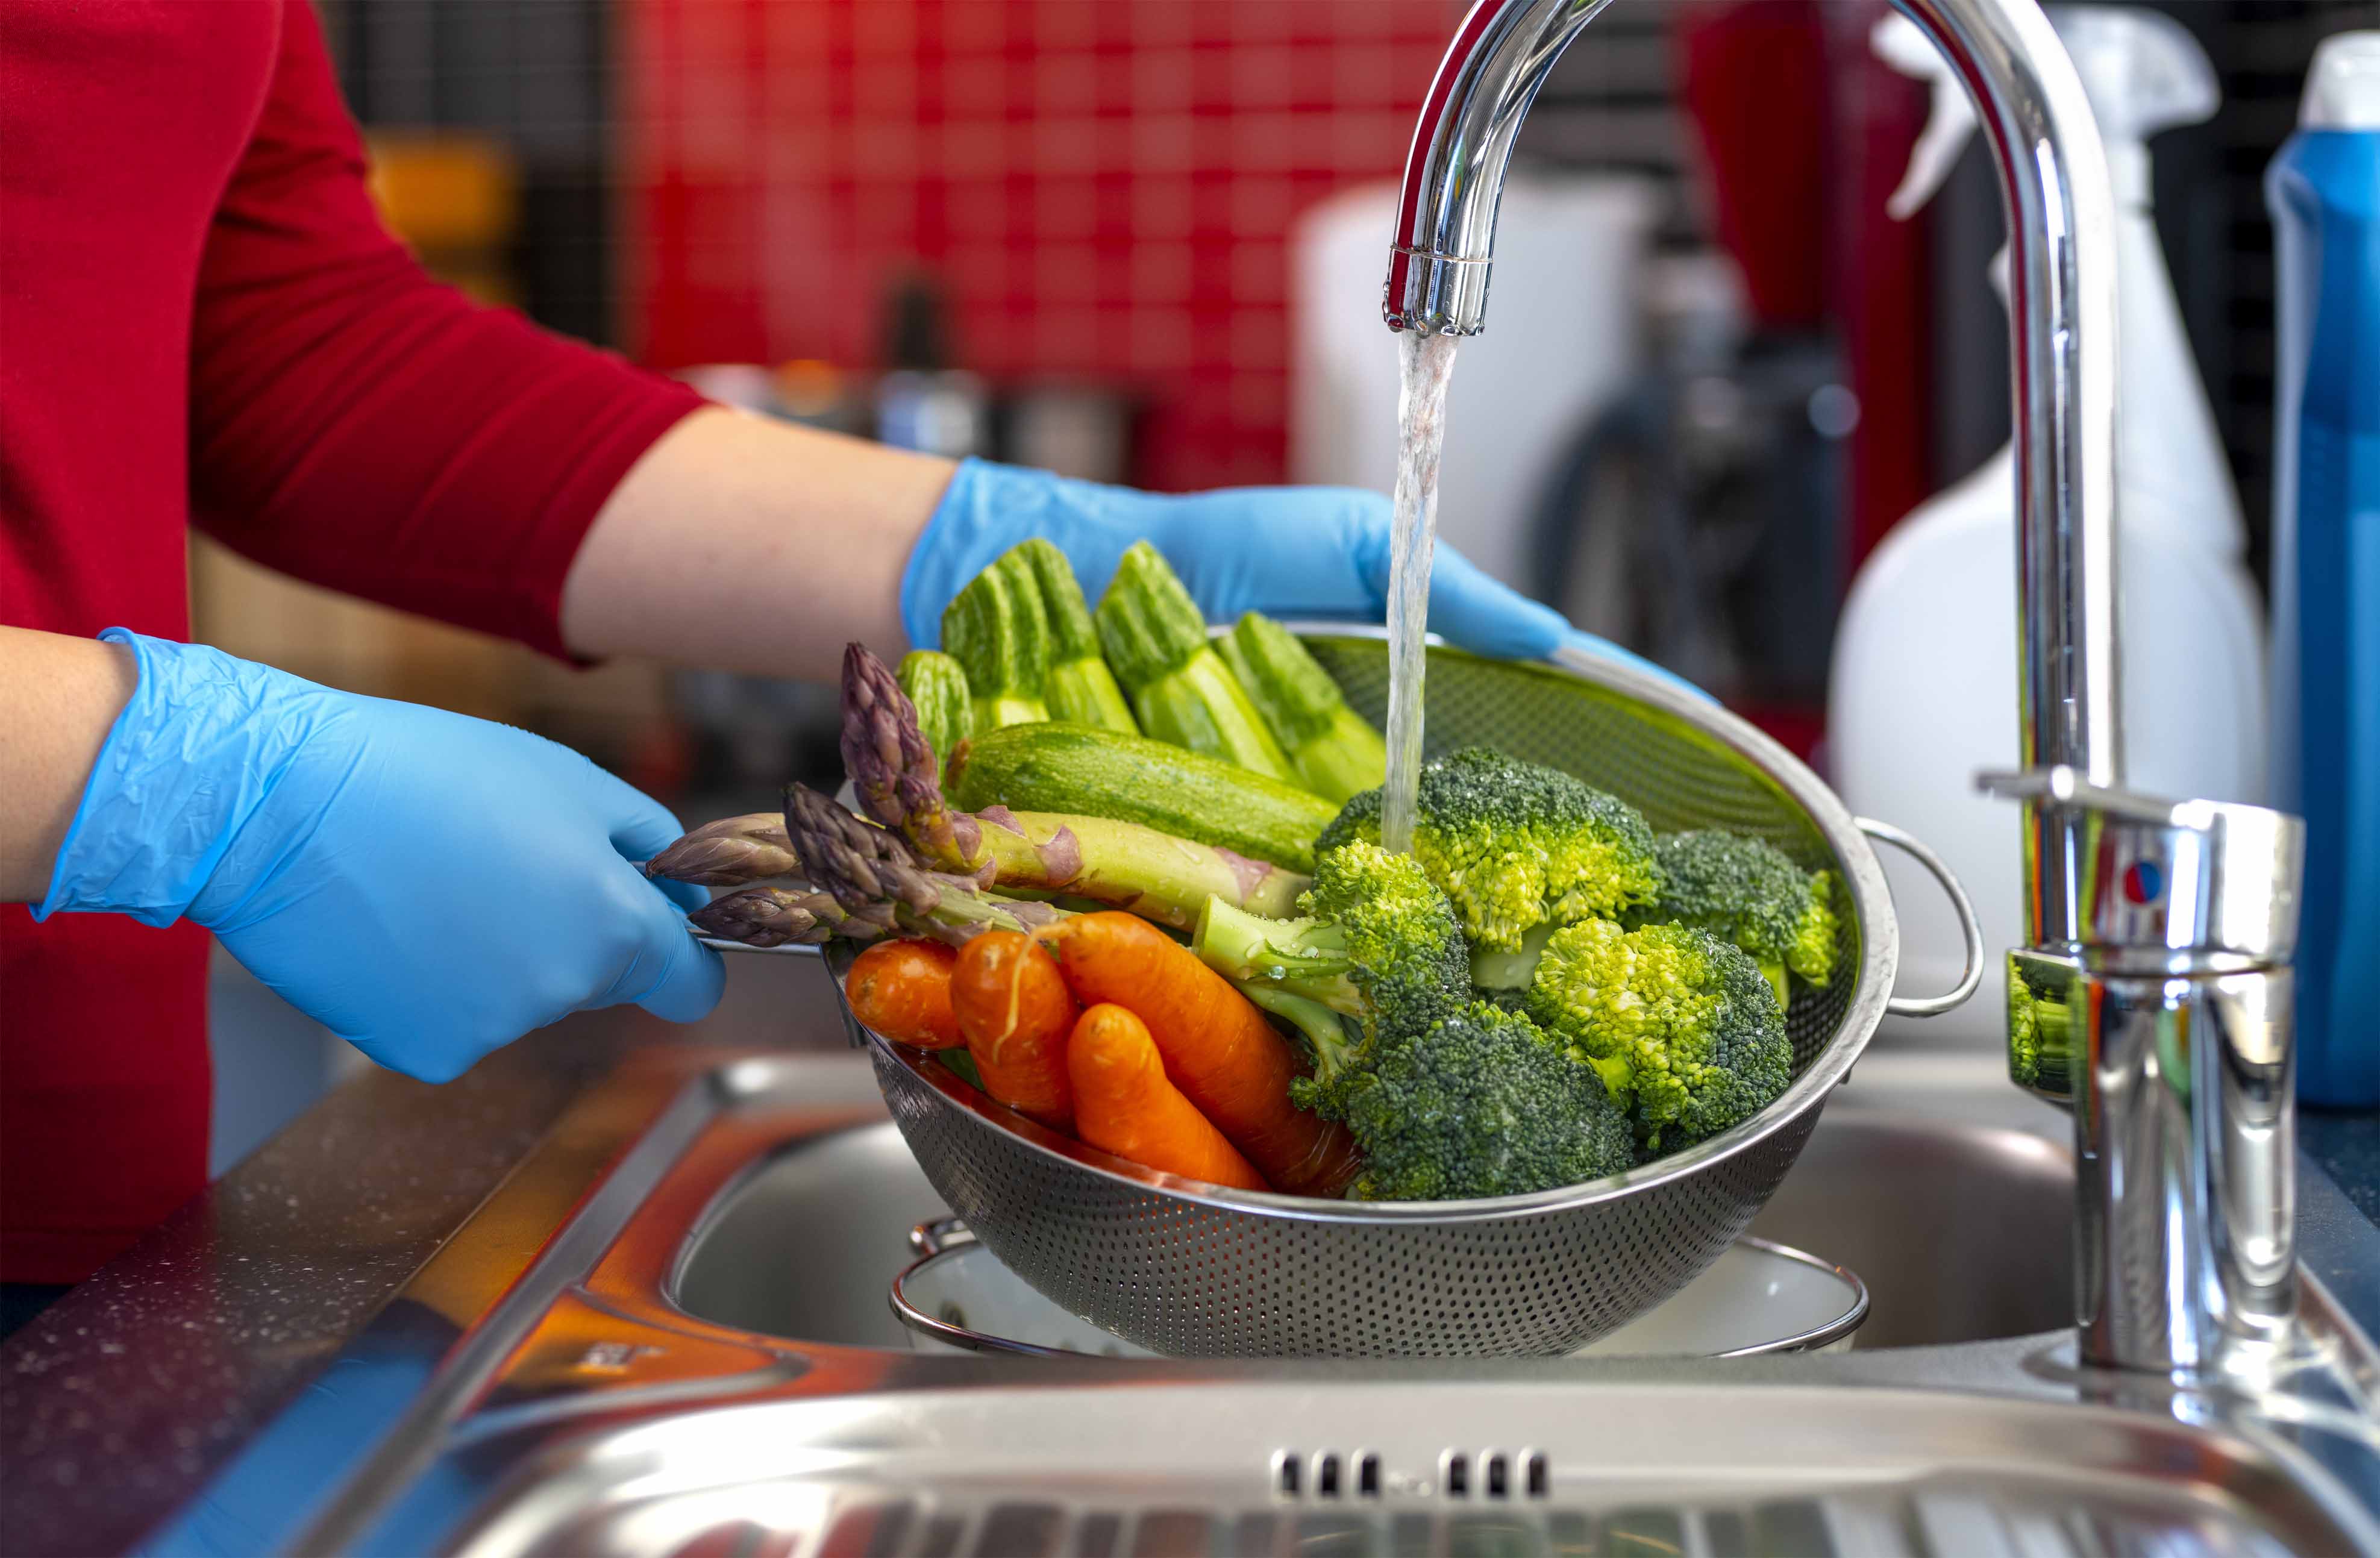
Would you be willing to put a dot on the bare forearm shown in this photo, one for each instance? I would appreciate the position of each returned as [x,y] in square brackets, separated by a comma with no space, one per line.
[59,698]
[744,544]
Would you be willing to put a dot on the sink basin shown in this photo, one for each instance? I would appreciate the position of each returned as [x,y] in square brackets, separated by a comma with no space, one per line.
[1872,1192]
[1466,1470]
[700,1360]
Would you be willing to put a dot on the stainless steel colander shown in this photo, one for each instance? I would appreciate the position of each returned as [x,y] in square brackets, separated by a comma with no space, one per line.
[1194,1271]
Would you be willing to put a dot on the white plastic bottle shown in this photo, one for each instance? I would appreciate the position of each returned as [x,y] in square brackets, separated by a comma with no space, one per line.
[1924,686]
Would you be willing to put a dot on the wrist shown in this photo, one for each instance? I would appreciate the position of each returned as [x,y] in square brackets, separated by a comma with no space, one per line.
[203,741]
[990,507]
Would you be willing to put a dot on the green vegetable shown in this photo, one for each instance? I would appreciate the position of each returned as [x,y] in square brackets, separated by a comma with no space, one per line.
[1378,949]
[1118,864]
[1481,1104]
[937,689]
[998,630]
[1078,685]
[1332,751]
[1683,1027]
[1749,893]
[1073,768]
[1157,644]
[1516,845]
[2040,1030]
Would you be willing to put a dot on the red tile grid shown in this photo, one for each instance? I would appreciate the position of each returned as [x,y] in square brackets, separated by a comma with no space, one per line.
[1103,187]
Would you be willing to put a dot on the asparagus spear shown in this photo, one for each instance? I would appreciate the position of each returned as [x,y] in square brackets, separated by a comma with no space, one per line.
[1154,875]
[894,769]
[868,867]
[729,853]
[766,917]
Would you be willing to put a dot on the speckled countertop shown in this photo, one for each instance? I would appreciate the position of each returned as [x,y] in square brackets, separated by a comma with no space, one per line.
[119,1403]
[121,1400]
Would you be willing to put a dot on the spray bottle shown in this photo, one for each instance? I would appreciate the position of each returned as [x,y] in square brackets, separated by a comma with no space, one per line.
[2324,191]
[1923,691]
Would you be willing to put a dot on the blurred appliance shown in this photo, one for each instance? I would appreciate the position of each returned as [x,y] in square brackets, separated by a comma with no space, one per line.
[923,402]
[1080,431]
[1696,520]
[1569,258]
[1928,653]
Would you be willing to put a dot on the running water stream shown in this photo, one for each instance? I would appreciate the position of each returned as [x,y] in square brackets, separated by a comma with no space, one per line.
[1427,362]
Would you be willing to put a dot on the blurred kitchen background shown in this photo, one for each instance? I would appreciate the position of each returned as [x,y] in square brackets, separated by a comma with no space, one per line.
[1141,240]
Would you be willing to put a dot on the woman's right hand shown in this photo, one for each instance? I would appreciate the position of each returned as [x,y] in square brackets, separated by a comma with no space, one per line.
[428,886]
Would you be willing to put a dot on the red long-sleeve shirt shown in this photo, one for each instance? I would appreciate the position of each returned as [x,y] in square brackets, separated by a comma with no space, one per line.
[201,320]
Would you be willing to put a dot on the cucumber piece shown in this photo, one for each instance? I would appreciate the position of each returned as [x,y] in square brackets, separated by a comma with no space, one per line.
[1156,642]
[1073,768]
[937,689]
[1331,750]
[1079,687]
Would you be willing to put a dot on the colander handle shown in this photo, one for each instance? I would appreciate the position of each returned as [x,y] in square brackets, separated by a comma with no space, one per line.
[940,1233]
[796,948]
[1971,930]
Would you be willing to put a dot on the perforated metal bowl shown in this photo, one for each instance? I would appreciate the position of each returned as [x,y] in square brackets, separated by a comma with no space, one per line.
[1195,1271]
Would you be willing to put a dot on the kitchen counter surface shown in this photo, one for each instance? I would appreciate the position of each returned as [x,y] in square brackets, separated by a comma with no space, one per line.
[121,1400]
[119,1403]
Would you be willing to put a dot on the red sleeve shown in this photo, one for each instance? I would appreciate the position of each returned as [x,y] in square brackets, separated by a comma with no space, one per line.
[358,424]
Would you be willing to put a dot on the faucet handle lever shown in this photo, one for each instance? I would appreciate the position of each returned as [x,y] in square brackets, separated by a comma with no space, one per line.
[2177,886]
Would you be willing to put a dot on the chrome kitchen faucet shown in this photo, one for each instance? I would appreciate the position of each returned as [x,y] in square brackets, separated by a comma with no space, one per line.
[2181,1037]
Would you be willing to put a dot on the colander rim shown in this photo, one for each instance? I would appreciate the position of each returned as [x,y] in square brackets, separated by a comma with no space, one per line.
[1879,959]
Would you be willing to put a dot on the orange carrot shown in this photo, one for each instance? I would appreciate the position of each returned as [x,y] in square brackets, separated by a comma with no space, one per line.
[1124,1105]
[1015,1015]
[1217,1047]
[903,991]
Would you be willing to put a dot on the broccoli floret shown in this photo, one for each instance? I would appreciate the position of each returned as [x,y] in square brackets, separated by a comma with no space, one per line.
[1480,1104]
[1378,954]
[1513,844]
[1683,1028]
[1748,892]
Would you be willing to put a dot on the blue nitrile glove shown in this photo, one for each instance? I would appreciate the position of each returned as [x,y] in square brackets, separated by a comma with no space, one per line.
[1287,552]
[428,886]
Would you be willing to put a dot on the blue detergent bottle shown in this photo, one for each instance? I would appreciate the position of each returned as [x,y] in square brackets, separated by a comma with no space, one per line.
[2324,192]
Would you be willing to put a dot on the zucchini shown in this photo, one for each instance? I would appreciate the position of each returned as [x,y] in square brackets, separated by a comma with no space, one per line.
[1059,767]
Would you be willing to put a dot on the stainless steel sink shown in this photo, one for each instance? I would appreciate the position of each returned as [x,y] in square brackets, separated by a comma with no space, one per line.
[1871,1191]
[668,1334]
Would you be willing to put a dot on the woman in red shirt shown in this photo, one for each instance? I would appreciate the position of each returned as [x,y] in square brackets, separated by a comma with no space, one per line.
[203,322]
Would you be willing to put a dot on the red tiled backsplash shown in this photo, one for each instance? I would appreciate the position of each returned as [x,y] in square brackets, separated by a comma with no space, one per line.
[1103,186]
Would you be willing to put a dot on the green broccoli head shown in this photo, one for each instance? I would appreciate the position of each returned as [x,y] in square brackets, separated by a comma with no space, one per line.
[1378,949]
[1683,1027]
[1480,1104]
[1513,844]
[1748,892]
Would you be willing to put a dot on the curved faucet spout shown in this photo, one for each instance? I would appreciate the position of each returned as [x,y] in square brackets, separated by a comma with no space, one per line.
[2061,219]
[1454,173]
